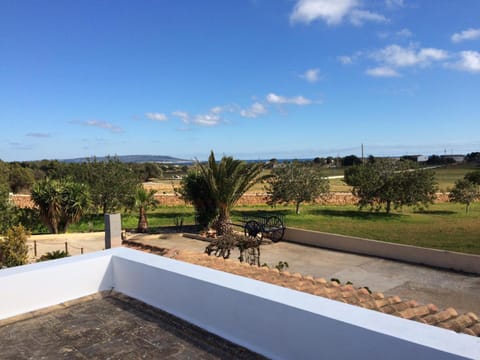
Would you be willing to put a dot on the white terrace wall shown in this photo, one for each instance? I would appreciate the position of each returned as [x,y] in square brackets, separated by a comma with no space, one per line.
[274,321]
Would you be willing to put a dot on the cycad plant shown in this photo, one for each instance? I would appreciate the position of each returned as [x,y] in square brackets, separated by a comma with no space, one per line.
[144,199]
[228,180]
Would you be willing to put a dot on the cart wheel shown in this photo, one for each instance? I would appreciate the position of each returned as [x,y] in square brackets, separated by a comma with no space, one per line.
[274,228]
[253,230]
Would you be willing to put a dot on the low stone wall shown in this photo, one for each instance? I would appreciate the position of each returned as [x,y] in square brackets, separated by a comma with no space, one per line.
[449,260]
[250,199]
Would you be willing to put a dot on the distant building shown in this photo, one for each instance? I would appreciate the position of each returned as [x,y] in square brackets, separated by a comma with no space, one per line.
[416,158]
[457,158]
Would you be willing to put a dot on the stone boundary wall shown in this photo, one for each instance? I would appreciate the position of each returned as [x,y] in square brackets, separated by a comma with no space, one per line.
[337,198]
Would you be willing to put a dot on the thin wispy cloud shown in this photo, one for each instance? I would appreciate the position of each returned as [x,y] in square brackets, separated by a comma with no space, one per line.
[382,71]
[296,100]
[311,75]
[182,115]
[255,110]
[404,33]
[156,116]
[100,124]
[209,119]
[394,3]
[469,34]
[38,135]
[398,56]
[19,146]
[333,12]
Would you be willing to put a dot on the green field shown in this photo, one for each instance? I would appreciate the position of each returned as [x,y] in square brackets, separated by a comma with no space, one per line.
[442,226]
[445,176]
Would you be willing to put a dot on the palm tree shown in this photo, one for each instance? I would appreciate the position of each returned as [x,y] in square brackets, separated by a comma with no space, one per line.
[47,196]
[61,203]
[228,180]
[143,200]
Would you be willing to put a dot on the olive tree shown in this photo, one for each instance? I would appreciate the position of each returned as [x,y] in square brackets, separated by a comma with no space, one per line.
[112,184]
[387,183]
[464,192]
[296,182]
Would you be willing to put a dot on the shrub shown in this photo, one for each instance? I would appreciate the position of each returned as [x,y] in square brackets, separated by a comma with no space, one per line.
[13,247]
[52,255]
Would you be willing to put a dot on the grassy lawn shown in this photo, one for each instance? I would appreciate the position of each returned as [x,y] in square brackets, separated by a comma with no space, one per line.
[447,175]
[442,226]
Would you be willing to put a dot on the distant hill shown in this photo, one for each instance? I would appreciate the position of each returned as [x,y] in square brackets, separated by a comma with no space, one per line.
[135,159]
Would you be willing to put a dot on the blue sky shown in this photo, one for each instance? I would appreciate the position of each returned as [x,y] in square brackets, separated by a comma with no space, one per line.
[253,78]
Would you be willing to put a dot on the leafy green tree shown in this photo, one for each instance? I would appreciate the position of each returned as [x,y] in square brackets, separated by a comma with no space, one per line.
[473,177]
[296,182]
[473,157]
[61,203]
[13,247]
[20,178]
[464,192]
[194,188]
[112,184]
[144,199]
[8,216]
[388,183]
[228,180]
[351,160]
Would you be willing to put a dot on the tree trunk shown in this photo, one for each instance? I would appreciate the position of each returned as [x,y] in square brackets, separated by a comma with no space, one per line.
[297,207]
[142,221]
[222,224]
[389,205]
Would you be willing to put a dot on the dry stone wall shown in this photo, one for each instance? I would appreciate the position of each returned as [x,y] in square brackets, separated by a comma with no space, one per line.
[250,199]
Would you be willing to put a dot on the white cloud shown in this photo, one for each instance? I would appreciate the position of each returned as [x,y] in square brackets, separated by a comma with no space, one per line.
[254,111]
[100,124]
[38,135]
[346,60]
[382,71]
[394,3]
[469,61]
[398,56]
[278,99]
[311,75]
[358,17]
[182,115]
[404,33]
[207,119]
[469,34]
[333,12]
[156,116]
[217,110]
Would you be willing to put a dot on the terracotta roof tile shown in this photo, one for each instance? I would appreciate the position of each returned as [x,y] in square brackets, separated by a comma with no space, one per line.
[468,323]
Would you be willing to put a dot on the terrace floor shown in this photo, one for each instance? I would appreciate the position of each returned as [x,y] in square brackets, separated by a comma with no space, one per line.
[113,326]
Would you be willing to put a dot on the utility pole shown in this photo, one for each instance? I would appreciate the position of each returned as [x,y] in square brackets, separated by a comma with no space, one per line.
[363,158]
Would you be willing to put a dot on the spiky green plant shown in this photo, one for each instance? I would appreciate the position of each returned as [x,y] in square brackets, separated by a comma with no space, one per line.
[228,180]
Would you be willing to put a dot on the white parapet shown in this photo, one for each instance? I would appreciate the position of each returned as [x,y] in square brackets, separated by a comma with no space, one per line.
[277,322]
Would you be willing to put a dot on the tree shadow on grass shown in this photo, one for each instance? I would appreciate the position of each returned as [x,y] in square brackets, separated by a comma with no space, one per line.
[356,214]
[435,212]
[253,212]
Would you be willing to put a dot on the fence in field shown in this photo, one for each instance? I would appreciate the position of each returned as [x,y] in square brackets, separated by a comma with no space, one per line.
[37,248]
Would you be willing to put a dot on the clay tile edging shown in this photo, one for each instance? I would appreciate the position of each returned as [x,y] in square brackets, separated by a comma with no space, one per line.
[468,323]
